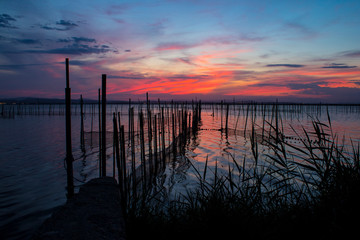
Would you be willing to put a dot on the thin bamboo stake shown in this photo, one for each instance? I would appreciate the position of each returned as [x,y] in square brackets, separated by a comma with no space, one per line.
[155,145]
[82,136]
[117,152]
[142,146]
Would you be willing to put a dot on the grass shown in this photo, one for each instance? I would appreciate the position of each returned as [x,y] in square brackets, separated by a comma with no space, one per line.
[309,189]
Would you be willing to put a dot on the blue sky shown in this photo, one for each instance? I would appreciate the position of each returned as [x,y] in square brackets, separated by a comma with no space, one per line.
[303,51]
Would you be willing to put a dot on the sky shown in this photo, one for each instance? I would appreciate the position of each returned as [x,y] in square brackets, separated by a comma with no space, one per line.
[258,50]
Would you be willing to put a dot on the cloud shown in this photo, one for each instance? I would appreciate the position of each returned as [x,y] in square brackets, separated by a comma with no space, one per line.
[126,77]
[5,21]
[188,76]
[66,46]
[286,65]
[46,27]
[27,41]
[292,85]
[156,28]
[338,65]
[340,94]
[267,85]
[185,60]
[77,62]
[84,39]
[172,46]
[20,66]
[64,40]
[117,9]
[230,39]
[77,40]
[251,38]
[304,86]
[211,41]
[355,53]
[64,25]
[357,82]
[76,49]
[301,29]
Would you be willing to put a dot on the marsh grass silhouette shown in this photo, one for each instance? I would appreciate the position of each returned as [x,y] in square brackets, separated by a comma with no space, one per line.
[306,190]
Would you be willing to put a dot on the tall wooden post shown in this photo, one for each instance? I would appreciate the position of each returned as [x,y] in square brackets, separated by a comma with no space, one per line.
[103,120]
[99,113]
[69,156]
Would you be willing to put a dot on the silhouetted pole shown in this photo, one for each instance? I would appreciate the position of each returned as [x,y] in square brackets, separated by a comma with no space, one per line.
[99,110]
[69,156]
[103,120]
[82,136]
[227,120]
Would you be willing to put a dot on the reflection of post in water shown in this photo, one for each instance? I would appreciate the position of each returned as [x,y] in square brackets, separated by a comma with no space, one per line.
[69,156]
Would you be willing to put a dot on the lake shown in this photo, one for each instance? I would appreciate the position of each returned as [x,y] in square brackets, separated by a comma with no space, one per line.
[32,149]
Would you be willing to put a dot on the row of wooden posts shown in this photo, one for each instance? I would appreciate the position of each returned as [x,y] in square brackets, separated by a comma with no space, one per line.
[157,144]
[69,155]
[183,123]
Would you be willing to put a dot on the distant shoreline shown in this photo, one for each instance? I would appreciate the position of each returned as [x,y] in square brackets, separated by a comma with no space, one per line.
[31,100]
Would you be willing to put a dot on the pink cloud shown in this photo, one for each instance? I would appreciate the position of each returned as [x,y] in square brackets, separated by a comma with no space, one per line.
[173,46]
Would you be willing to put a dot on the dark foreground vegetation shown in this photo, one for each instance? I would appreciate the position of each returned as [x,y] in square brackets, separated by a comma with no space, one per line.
[297,191]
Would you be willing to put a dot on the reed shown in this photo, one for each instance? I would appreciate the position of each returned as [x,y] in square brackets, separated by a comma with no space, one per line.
[290,186]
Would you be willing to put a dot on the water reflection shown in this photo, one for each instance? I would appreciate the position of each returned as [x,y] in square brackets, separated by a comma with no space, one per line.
[32,147]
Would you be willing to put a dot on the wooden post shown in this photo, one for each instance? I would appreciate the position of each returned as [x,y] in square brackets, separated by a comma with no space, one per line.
[163,135]
[69,156]
[99,113]
[155,145]
[173,135]
[227,120]
[117,153]
[221,114]
[142,146]
[123,181]
[82,136]
[103,120]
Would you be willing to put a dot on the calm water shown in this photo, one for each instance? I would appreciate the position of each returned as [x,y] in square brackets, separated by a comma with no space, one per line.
[32,151]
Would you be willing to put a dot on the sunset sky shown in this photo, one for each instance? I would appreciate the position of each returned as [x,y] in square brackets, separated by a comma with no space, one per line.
[295,50]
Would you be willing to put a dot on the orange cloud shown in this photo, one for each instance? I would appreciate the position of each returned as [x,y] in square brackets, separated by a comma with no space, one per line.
[177,84]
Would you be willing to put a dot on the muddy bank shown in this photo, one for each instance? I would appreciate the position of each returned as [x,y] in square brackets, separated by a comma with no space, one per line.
[93,213]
